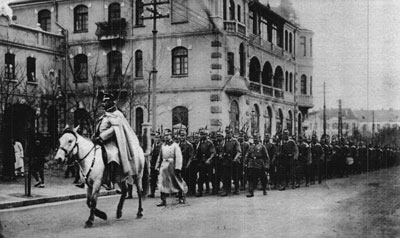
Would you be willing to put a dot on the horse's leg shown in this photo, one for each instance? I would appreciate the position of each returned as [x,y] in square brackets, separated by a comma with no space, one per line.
[92,205]
[139,193]
[97,212]
[122,185]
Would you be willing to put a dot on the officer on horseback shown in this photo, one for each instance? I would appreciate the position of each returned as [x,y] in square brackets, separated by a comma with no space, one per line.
[113,133]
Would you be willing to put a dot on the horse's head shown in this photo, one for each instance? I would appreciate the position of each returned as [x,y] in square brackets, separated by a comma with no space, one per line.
[67,144]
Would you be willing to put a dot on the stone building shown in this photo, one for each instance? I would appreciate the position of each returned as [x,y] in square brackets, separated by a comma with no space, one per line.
[231,62]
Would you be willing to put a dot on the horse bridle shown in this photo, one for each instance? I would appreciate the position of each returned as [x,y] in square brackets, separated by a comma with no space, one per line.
[76,145]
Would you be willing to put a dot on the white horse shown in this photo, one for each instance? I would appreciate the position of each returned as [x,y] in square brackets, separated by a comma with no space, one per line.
[89,157]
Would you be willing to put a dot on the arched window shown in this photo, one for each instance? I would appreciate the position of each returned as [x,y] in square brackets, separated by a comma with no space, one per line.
[267,74]
[254,70]
[139,64]
[44,19]
[286,40]
[114,63]
[242,55]
[255,119]
[180,115]
[139,12]
[239,14]
[234,116]
[139,121]
[278,78]
[279,121]
[303,84]
[180,61]
[81,67]
[231,63]
[291,82]
[289,122]
[81,19]
[231,10]
[114,11]
[268,121]
[286,81]
[290,42]
[9,66]
[31,69]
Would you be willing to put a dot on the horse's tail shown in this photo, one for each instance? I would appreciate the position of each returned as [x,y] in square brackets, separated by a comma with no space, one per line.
[145,178]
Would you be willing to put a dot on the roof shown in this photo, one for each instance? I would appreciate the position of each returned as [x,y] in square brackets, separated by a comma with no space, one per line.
[382,115]
[18,2]
[347,113]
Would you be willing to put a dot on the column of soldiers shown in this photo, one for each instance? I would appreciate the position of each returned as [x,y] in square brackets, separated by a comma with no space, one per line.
[222,165]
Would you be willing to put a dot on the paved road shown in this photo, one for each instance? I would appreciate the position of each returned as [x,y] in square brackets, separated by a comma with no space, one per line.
[359,206]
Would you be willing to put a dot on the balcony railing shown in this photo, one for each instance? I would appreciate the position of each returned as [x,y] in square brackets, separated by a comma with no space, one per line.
[278,93]
[268,91]
[254,87]
[235,27]
[113,29]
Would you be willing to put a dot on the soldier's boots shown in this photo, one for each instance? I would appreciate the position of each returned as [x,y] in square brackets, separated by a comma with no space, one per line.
[163,200]
[251,191]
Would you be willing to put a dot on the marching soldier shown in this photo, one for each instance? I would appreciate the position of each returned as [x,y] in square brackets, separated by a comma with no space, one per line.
[305,159]
[317,154]
[244,146]
[289,155]
[217,162]
[187,155]
[257,163]
[155,151]
[271,149]
[327,157]
[231,154]
[205,152]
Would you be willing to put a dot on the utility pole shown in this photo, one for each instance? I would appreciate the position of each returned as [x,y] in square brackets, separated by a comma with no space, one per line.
[155,15]
[324,113]
[373,126]
[340,123]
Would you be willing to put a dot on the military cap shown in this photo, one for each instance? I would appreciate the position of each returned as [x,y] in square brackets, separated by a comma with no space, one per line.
[108,96]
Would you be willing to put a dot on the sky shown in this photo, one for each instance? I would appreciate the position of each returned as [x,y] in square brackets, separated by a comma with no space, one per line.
[356,51]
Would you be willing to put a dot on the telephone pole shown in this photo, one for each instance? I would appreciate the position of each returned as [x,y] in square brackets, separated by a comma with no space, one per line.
[153,4]
[340,122]
[324,113]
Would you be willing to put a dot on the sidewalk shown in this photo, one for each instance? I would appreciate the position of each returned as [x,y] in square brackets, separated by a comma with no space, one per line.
[57,188]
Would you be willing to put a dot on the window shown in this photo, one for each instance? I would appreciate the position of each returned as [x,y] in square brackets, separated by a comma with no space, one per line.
[290,42]
[180,61]
[224,9]
[303,44]
[180,115]
[268,121]
[234,116]
[291,82]
[139,12]
[274,35]
[44,19]
[10,66]
[311,85]
[81,19]
[231,10]
[264,29]
[267,74]
[242,55]
[81,67]
[286,81]
[239,14]
[254,71]
[231,63]
[278,78]
[303,84]
[286,41]
[254,20]
[31,69]
[139,64]
[310,47]
[139,121]
[114,62]
[289,122]
[279,121]
[255,119]
[179,11]
[114,11]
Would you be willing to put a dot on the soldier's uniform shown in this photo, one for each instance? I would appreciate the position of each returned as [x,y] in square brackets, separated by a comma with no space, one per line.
[244,146]
[187,156]
[273,169]
[231,154]
[155,151]
[362,157]
[217,163]
[326,162]
[305,159]
[317,153]
[257,162]
[289,155]
[205,152]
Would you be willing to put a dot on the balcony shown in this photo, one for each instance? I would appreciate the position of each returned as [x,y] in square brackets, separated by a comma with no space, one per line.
[255,87]
[268,91]
[304,100]
[278,93]
[235,27]
[113,29]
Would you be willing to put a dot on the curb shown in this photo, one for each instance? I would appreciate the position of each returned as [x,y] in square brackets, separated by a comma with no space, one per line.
[50,200]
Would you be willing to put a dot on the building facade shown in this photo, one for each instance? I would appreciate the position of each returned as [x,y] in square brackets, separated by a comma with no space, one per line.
[222,63]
